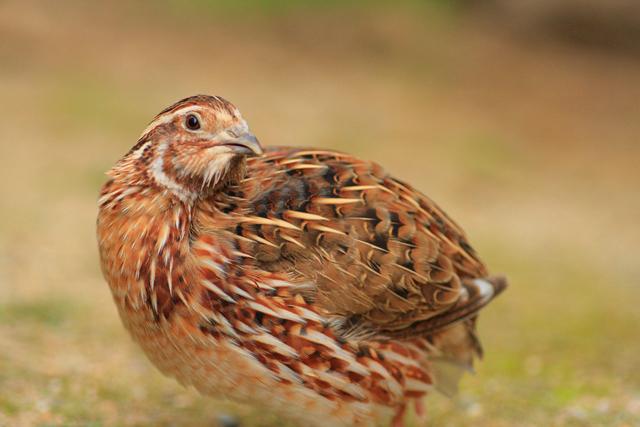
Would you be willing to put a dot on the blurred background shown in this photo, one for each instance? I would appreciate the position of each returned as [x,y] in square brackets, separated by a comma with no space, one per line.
[521,118]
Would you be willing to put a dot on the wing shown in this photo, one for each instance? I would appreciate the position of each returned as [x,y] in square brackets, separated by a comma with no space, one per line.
[364,246]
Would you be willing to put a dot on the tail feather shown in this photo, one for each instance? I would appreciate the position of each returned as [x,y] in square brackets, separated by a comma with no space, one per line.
[447,374]
[476,293]
[453,333]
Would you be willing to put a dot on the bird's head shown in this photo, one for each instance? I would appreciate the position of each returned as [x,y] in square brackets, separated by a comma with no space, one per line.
[192,148]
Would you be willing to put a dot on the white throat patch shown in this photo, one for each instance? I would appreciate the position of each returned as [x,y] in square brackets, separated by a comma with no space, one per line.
[159,175]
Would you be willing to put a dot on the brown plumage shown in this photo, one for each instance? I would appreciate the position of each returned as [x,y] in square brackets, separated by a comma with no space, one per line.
[306,281]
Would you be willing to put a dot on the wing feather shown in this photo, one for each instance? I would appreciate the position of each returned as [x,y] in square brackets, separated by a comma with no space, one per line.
[381,255]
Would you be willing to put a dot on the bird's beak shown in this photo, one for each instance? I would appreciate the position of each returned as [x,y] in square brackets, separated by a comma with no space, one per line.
[243,142]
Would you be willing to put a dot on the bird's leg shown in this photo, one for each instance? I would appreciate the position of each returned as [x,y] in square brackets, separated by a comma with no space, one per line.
[398,418]
[421,412]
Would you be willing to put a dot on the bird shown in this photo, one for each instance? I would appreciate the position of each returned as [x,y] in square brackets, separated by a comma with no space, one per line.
[304,282]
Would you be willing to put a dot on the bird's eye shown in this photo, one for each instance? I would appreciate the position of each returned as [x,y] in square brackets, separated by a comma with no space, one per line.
[192,122]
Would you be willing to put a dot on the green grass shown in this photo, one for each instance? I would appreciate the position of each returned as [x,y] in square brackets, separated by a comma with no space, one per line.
[216,7]
[47,312]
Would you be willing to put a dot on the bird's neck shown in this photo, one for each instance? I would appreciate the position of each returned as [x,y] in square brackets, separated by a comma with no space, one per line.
[143,237]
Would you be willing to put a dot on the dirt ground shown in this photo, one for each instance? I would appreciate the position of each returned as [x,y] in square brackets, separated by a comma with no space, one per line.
[533,145]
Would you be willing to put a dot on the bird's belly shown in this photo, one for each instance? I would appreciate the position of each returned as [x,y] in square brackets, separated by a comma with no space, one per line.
[223,369]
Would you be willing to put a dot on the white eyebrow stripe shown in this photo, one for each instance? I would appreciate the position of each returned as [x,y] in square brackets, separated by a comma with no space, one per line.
[166,118]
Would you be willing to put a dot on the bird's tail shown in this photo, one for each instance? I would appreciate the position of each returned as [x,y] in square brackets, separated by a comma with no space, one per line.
[476,293]
[455,340]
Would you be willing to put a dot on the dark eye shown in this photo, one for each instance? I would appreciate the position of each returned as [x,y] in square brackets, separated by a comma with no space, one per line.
[192,122]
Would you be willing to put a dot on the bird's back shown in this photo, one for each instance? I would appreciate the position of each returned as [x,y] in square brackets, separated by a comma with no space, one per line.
[364,246]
